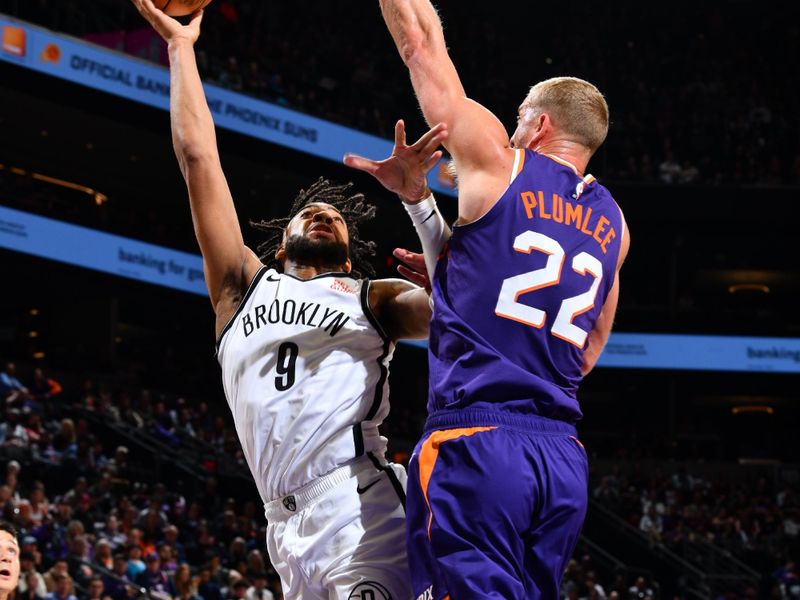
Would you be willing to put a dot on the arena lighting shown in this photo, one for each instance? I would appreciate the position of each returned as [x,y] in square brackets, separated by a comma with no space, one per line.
[33,312]
[33,334]
[748,287]
[753,408]
[39,355]
[99,198]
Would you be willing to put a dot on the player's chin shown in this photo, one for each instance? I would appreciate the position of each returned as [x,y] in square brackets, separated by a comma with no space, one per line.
[322,235]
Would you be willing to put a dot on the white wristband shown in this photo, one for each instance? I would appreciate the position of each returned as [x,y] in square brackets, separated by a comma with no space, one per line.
[433,232]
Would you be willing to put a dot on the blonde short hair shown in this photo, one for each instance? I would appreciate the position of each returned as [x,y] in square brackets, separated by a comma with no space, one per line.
[575,107]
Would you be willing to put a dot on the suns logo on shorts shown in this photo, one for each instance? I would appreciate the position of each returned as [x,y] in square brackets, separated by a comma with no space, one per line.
[369,590]
[426,595]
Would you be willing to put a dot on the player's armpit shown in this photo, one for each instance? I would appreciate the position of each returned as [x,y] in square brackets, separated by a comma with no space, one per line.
[402,308]
[602,329]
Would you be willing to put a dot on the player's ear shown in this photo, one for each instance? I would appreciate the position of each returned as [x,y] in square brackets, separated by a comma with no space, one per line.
[348,266]
[542,127]
[280,253]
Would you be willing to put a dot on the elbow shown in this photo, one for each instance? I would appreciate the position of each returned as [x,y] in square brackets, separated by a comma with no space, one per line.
[191,154]
[413,47]
[589,361]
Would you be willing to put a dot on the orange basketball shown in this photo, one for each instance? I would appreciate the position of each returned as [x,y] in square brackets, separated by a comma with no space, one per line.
[180,8]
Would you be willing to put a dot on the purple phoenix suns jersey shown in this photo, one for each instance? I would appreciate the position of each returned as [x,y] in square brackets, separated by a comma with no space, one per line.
[517,292]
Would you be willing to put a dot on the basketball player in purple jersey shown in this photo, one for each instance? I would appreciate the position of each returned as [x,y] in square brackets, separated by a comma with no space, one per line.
[524,297]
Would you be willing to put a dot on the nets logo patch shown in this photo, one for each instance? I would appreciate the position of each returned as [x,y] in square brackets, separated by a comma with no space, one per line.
[369,590]
[290,503]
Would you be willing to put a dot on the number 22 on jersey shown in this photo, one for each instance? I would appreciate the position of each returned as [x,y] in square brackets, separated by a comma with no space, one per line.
[509,307]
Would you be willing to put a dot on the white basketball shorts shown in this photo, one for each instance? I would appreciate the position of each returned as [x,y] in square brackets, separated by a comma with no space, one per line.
[343,536]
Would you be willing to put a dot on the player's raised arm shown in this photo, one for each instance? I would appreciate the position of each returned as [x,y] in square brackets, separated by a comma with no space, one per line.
[228,265]
[477,140]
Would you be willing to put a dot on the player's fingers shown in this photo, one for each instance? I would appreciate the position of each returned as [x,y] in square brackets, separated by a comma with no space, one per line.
[139,5]
[148,10]
[362,164]
[432,160]
[401,253]
[415,260]
[148,6]
[417,278]
[197,18]
[429,137]
[400,134]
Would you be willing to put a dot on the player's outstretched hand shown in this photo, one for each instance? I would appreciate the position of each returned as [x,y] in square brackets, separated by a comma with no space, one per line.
[168,28]
[405,171]
[414,268]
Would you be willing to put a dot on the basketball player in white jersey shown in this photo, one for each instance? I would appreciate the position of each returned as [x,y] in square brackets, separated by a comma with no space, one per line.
[304,346]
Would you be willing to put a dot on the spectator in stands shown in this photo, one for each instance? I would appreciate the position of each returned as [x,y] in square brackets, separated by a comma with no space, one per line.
[84,513]
[259,591]
[166,555]
[652,524]
[103,554]
[171,538]
[43,387]
[11,388]
[23,515]
[640,589]
[182,585]
[153,578]
[30,545]
[40,506]
[136,565]
[78,560]
[6,503]
[64,442]
[239,590]
[34,428]
[28,588]
[119,468]
[12,431]
[96,589]
[61,586]
[207,588]
[116,583]
[29,575]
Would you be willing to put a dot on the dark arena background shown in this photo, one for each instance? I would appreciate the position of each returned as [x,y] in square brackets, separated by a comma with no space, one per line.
[122,450]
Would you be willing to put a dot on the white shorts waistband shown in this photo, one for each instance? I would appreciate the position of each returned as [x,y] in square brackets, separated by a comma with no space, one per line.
[284,507]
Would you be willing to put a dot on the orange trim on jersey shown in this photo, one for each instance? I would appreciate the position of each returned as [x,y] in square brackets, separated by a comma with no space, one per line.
[561,161]
[521,162]
[430,452]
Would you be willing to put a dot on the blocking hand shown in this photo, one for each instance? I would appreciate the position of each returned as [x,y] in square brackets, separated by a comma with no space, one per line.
[405,171]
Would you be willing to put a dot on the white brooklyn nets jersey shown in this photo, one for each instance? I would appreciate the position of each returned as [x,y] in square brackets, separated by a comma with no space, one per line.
[304,367]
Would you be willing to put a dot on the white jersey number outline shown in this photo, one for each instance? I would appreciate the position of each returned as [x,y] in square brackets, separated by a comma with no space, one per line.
[509,307]
[285,367]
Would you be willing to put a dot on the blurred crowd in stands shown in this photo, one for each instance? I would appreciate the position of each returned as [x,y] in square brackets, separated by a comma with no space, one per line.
[752,518]
[97,520]
[698,95]
[94,523]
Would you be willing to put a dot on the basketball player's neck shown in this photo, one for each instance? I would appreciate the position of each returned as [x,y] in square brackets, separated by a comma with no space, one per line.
[572,152]
[309,271]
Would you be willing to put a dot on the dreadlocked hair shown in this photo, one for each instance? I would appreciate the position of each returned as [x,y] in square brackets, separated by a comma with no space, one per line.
[354,210]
